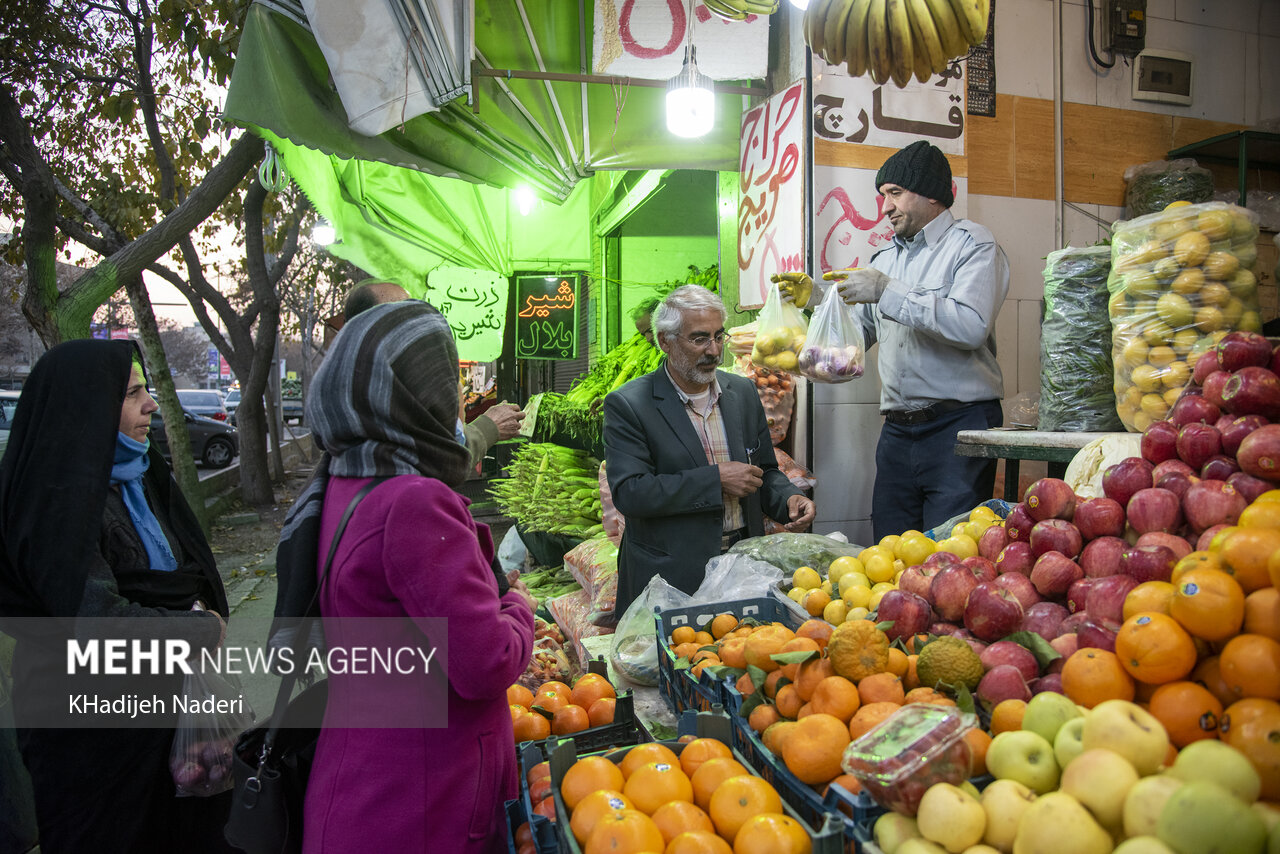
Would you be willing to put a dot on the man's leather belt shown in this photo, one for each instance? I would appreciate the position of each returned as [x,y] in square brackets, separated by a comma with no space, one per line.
[731,537]
[924,415]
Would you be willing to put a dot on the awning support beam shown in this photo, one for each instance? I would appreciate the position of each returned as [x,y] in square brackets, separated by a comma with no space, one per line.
[513,74]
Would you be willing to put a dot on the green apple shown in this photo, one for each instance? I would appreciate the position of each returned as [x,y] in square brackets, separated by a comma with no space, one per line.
[920,846]
[1127,729]
[1144,802]
[1100,779]
[1046,712]
[969,788]
[1059,824]
[951,817]
[1004,802]
[892,829]
[1143,845]
[1210,759]
[1023,756]
[1203,817]
[1067,744]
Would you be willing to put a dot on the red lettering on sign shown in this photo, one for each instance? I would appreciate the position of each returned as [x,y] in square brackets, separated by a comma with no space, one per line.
[678,25]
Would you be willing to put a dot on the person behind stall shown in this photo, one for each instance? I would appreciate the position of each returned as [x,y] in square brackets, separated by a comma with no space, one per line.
[92,525]
[498,422]
[688,456]
[930,298]
[385,403]
[642,317]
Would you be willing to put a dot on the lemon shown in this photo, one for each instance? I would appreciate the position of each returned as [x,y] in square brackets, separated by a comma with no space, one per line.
[856,614]
[806,577]
[914,548]
[875,599]
[981,512]
[825,587]
[949,661]
[841,566]
[958,528]
[835,612]
[974,530]
[961,545]
[786,360]
[890,542]
[879,567]
[871,551]
[795,594]
[1180,203]
[855,597]
[855,579]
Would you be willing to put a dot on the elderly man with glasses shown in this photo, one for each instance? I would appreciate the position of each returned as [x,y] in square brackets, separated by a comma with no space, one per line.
[688,454]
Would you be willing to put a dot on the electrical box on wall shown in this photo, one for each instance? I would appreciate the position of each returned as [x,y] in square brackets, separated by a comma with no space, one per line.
[1164,76]
[1126,26]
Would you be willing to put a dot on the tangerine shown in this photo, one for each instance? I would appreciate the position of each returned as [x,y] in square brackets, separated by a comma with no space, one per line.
[798,644]
[1245,553]
[816,601]
[788,702]
[683,634]
[698,842]
[763,643]
[1260,514]
[882,688]
[703,638]
[763,716]
[1091,676]
[814,749]
[836,696]
[553,685]
[722,624]
[590,688]
[858,649]
[772,833]
[656,783]
[602,711]
[1208,603]
[733,652]
[551,701]
[738,799]
[776,735]
[1209,674]
[1250,666]
[517,710]
[1262,613]
[1007,715]
[587,775]
[643,754]
[531,727]
[899,663]
[519,695]
[701,750]
[675,817]
[744,685]
[624,832]
[1194,560]
[869,716]
[1189,711]
[710,775]
[592,807]
[979,740]
[912,679]
[1153,648]
[771,683]
[1149,596]
[1252,726]
[810,674]
[816,630]
[570,719]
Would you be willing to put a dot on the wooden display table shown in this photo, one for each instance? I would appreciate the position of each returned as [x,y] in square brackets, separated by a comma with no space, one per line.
[1014,445]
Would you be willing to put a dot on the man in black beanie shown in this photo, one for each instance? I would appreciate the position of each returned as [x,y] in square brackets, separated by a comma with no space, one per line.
[930,298]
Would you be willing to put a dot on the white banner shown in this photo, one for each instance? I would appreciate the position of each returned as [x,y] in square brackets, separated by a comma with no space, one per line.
[771,212]
[848,225]
[855,109]
[475,304]
[646,39]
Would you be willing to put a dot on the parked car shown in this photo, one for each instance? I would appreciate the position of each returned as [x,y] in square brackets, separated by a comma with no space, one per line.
[8,403]
[214,443]
[231,402]
[203,402]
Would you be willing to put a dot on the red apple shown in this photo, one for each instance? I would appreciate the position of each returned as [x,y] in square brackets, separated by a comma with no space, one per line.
[1055,535]
[1122,480]
[1159,441]
[992,612]
[917,579]
[1205,365]
[1018,523]
[1015,557]
[1099,517]
[1101,557]
[1212,502]
[1179,546]
[909,613]
[1235,431]
[1091,634]
[1259,453]
[1050,498]
[1197,443]
[941,629]
[1020,586]
[1206,537]
[1002,682]
[1249,486]
[976,644]
[1189,409]
[1154,510]
[942,560]
[1078,593]
[950,591]
[1219,467]
[1147,563]
[1045,619]
[1241,349]
[982,569]
[1176,482]
[1064,645]
[1170,466]
[991,542]
[1105,602]
[1073,622]
[1214,384]
[1054,573]
[1008,652]
[1252,391]
[1048,682]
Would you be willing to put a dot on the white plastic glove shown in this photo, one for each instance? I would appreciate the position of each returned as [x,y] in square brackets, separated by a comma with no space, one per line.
[863,285]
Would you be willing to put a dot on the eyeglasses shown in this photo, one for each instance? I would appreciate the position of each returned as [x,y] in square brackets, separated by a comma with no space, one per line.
[704,341]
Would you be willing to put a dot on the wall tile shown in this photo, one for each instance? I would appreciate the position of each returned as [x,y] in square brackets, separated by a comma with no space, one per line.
[1025,230]
[857,530]
[1080,229]
[1080,77]
[1240,15]
[1260,77]
[1007,346]
[1029,311]
[844,458]
[1023,66]
[1218,86]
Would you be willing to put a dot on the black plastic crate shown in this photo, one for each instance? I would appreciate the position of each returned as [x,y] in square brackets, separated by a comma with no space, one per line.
[544,831]
[625,731]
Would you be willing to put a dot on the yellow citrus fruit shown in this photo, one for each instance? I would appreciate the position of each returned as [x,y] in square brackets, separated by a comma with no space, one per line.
[890,541]
[960,545]
[879,568]
[835,612]
[806,577]
[855,596]
[842,566]
[873,551]
[912,549]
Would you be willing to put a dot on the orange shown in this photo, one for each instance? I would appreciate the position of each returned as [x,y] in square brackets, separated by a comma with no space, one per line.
[710,775]
[772,833]
[1262,613]
[868,716]
[1195,560]
[1209,674]
[1250,666]
[542,769]
[697,842]
[643,754]
[551,701]
[899,664]
[531,727]
[788,702]
[882,688]
[1208,603]
[1007,715]
[1253,727]
[733,652]
[602,711]
[517,711]
[703,638]
[815,601]
[763,643]
[912,679]
[675,817]
[1273,569]
[798,644]
[1154,648]
[810,674]
[722,625]
[738,799]
[814,749]
[1188,711]
[763,716]
[546,808]
[590,688]
[1261,514]
[624,832]
[1090,676]
[702,661]
[682,634]
[771,683]
[699,751]
[776,735]
[539,788]
[685,650]
[836,696]
[586,776]
[1245,552]
[923,694]
[817,630]
[1149,596]
[569,720]
[979,740]
[592,807]
[520,696]
[554,685]
[655,783]
[744,685]
[858,649]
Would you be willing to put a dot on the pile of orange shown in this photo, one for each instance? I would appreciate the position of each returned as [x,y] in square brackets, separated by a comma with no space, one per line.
[700,802]
[557,709]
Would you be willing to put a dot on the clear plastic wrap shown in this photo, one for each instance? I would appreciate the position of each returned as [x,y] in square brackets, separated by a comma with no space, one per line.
[591,560]
[834,349]
[614,523]
[788,552]
[742,339]
[780,334]
[799,476]
[1076,374]
[737,576]
[548,662]
[634,653]
[572,614]
[777,391]
[1150,187]
[203,742]
[1180,280]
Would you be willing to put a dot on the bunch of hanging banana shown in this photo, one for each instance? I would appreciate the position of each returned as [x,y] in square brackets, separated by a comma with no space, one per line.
[893,39]
[738,10]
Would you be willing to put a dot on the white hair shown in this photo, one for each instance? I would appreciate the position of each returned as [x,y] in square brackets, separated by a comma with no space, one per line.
[670,312]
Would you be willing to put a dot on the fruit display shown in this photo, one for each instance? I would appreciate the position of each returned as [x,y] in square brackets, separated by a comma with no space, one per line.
[555,708]
[1180,280]
[893,39]
[739,10]
[551,488]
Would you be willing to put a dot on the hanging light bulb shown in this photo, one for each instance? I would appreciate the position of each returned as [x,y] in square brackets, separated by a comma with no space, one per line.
[691,103]
[800,4]
[524,200]
[323,234]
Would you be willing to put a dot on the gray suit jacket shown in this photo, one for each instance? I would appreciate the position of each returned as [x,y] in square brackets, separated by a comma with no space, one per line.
[661,481]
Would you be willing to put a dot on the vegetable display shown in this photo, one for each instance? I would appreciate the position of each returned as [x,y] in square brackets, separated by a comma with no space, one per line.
[1075,343]
[553,489]
[548,582]
[1151,187]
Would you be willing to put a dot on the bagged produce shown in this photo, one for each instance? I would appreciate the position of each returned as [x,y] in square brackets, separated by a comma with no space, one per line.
[833,351]
[777,391]
[780,334]
[572,615]
[549,661]
[1180,280]
[1150,187]
[201,752]
[742,339]
[1076,374]
[800,476]
[789,552]
[614,523]
[634,653]
[591,560]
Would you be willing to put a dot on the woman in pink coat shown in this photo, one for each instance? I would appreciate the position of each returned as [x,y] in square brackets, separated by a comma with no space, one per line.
[384,404]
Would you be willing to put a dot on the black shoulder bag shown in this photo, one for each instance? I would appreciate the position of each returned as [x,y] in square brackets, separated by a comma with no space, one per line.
[272,763]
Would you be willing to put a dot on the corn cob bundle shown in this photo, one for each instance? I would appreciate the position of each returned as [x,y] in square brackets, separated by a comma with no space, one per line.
[552,489]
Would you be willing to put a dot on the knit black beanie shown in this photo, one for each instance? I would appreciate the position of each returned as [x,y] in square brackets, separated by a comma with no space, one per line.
[920,168]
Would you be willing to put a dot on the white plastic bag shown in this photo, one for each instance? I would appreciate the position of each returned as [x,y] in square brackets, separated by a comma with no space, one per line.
[200,757]
[736,576]
[834,349]
[780,334]
[634,653]
[512,552]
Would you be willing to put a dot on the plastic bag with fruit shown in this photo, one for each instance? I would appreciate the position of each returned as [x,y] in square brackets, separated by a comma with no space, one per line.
[780,335]
[634,653]
[572,615]
[777,392]
[548,661]
[834,349]
[1180,280]
[731,576]
[800,476]
[589,561]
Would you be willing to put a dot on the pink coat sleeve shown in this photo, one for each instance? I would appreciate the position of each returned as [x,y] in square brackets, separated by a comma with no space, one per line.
[438,565]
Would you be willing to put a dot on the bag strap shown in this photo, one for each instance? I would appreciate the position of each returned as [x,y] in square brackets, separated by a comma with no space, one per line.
[304,628]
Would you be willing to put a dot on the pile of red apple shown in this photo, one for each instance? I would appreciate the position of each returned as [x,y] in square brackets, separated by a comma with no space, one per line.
[1061,566]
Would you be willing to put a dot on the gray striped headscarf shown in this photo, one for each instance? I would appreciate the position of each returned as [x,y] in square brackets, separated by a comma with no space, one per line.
[384,402]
